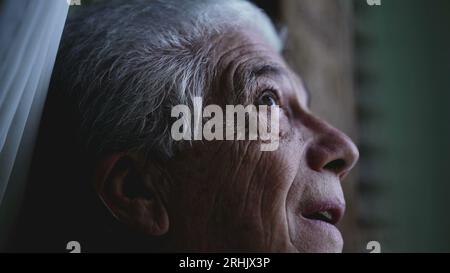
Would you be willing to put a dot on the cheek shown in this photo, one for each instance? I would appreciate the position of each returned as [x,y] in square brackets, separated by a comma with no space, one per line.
[233,189]
[254,200]
[261,179]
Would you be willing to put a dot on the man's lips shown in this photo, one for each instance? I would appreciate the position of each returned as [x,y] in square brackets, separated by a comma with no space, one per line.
[326,211]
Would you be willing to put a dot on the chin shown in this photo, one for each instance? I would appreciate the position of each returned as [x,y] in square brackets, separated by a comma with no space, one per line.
[319,238]
[322,245]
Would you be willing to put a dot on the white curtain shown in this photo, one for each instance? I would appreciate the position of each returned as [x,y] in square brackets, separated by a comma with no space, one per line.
[30,32]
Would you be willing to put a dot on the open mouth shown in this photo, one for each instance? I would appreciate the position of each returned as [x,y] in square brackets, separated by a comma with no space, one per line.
[330,215]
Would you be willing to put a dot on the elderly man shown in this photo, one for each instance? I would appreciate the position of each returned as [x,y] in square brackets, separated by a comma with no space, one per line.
[106,136]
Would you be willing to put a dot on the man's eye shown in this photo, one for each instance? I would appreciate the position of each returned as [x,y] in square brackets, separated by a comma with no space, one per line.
[268,98]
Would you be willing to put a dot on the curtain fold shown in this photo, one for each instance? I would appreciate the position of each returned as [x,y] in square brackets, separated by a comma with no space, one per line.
[30,35]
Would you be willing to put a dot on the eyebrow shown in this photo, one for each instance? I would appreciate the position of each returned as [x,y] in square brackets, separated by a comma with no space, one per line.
[275,70]
[267,70]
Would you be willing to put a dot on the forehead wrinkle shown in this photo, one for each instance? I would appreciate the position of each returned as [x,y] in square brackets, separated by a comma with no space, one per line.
[220,75]
[267,70]
[230,70]
[254,72]
[243,76]
[232,49]
[227,52]
[233,53]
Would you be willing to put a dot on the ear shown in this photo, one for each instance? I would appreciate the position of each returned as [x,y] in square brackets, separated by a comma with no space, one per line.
[130,192]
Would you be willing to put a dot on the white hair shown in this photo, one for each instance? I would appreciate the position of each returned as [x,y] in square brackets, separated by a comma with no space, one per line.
[125,64]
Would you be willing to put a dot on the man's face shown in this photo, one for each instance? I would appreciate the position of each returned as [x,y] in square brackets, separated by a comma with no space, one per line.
[230,195]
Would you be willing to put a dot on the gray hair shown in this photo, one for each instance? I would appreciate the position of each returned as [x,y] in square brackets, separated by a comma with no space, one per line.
[125,64]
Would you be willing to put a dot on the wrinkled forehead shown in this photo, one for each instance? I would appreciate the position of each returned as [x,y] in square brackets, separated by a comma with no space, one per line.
[244,46]
[244,58]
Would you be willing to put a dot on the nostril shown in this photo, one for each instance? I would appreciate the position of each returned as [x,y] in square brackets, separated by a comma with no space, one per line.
[336,165]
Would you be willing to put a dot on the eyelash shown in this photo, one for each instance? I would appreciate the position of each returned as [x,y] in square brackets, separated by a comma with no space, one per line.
[273,91]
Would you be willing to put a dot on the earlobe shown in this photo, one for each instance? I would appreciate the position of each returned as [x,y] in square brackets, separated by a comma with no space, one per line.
[143,210]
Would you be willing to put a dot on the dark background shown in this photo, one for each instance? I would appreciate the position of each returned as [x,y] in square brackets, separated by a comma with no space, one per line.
[380,74]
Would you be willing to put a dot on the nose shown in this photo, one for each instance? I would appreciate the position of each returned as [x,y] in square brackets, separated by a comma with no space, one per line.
[331,150]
